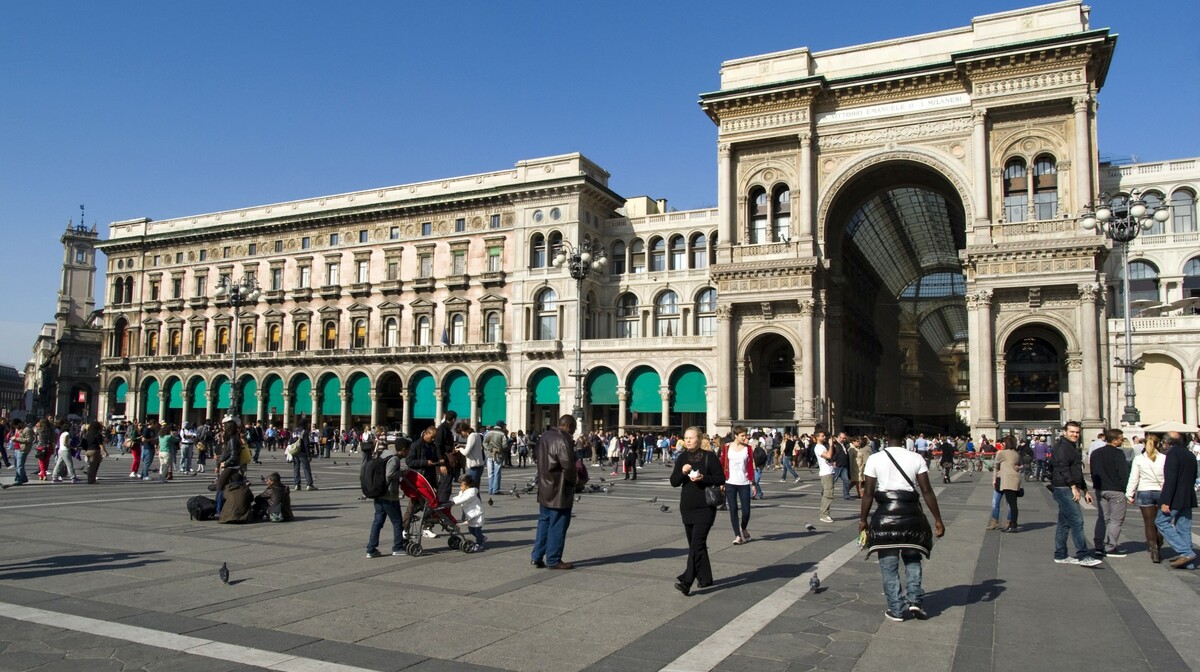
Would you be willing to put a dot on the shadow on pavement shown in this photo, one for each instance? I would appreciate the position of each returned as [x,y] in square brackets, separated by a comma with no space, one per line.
[637,556]
[942,599]
[74,564]
[787,571]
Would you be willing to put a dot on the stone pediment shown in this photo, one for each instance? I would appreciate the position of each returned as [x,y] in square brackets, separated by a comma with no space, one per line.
[357,307]
[422,304]
[456,302]
[301,314]
[272,314]
[390,306]
[330,311]
[491,299]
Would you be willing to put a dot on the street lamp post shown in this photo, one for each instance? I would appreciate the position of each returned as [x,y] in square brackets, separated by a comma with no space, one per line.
[580,260]
[1121,220]
[239,294]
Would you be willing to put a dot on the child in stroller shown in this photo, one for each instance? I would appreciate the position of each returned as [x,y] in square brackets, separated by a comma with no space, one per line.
[425,512]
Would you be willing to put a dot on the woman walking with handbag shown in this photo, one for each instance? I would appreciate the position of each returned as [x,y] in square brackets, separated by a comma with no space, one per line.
[1145,486]
[737,463]
[1006,478]
[697,472]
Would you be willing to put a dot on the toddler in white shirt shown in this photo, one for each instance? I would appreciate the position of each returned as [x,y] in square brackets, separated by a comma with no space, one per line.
[468,497]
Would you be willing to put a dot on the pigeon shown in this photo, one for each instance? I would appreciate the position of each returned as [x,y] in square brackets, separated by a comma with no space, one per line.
[652,500]
[664,508]
[810,527]
[814,583]
[262,479]
[516,495]
[603,479]
[224,573]
[489,501]
[578,497]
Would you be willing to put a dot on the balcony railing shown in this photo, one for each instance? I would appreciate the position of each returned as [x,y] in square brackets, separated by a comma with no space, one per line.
[1184,325]
[1037,229]
[648,343]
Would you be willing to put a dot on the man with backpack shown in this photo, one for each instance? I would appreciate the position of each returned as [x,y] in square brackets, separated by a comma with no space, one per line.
[380,480]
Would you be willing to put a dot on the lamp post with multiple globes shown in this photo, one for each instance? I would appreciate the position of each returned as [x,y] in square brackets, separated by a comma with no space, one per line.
[239,294]
[1121,219]
[580,260]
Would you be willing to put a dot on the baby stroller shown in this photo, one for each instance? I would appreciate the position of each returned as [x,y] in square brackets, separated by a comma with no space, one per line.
[427,513]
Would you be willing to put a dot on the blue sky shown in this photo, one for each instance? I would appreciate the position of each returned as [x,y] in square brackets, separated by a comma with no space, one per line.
[164,109]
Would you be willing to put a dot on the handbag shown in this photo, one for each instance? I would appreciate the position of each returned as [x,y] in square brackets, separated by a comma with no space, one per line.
[292,449]
[1021,491]
[712,496]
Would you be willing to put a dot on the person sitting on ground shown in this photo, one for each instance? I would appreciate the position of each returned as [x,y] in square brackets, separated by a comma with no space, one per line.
[237,501]
[274,503]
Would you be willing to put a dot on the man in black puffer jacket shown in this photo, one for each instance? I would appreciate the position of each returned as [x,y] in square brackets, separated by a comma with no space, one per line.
[899,530]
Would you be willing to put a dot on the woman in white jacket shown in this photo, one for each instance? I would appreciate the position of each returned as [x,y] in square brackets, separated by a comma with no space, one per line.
[1145,484]
[471,449]
[65,463]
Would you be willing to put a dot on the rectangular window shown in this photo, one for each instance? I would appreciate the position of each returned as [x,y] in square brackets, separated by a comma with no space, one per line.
[278,246]
[252,277]
[333,240]
[362,236]
[157,259]
[332,274]
[252,249]
[305,243]
[426,228]
[495,223]
[364,271]
[154,290]
[426,264]
[225,252]
[276,279]
[394,233]
[305,277]
[460,263]
[203,255]
[393,270]
[493,261]
[179,257]
[201,285]
[460,225]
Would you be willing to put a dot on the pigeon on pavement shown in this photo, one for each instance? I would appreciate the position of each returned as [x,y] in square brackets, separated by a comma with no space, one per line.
[223,573]
[810,527]
[814,583]
[489,501]
[652,500]
[664,508]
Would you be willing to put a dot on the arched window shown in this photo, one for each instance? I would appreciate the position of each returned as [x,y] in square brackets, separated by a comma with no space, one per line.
[1045,187]
[1183,211]
[359,337]
[699,251]
[329,335]
[554,243]
[120,340]
[658,255]
[706,312]
[248,338]
[424,330]
[274,338]
[537,251]
[492,335]
[118,291]
[627,317]
[758,216]
[637,256]
[198,341]
[1143,284]
[1191,283]
[175,342]
[666,314]
[546,309]
[1016,195]
[781,214]
[391,333]
[458,329]
[1153,200]
[302,337]
[222,340]
[151,343]
[128,290]
[678,253]
[618,257]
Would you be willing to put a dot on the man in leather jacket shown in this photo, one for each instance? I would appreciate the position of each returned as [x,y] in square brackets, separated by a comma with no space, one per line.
[1068,487]
[556,478]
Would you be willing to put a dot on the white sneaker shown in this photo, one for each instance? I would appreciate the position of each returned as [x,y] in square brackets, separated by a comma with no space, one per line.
[429,534]
[1089,562]
[133,474]
[1066,561]
[826,519]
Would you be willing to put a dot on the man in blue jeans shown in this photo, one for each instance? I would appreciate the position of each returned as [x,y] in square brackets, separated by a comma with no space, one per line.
[556,478]
[1177,499]
[1068,486]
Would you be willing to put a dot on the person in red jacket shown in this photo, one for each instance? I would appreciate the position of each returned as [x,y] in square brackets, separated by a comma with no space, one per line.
[737,461]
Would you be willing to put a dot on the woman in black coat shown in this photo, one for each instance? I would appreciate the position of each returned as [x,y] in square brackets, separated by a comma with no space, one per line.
[696,468]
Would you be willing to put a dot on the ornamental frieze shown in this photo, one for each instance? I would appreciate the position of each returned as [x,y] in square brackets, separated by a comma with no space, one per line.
[1031,82]
[728,286]
[761,121]
[1031,266]
[896,133]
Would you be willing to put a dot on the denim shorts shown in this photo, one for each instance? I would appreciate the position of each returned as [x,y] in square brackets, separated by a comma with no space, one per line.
[1147,498]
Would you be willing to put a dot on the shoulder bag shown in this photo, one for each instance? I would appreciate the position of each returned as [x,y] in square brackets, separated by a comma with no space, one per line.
[905,475]
[712,493]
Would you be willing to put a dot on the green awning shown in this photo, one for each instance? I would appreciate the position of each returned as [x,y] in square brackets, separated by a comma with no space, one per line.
[198,394]
[360,395]
[493,399]
[458,394]
[223,393]
[175,392]
[250,397]
[688,391]
[152,398]
[602,391]
[122,390]
[275,395]
[545,388]
[646,398]
[302,397]
[420,393]
[331,398]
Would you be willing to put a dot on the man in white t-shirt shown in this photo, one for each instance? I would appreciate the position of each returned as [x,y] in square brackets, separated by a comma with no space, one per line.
[826,470]
[904,536]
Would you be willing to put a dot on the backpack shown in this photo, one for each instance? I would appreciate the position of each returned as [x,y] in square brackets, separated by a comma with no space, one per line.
[374,478]
[201,508]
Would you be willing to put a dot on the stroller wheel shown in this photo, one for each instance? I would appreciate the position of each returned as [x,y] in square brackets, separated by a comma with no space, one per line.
[413,548]
[454,541]
[467,546]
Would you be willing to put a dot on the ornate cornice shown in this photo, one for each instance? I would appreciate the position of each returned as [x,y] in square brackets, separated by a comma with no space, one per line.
[900,133]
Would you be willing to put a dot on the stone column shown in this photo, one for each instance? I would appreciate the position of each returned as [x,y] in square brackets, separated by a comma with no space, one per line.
[1089,343]
[374,408]
[741,388]
[725,202]
[622,409]
[286,419]
[806,369]
[404,412]
[664,393]
[474,397]
[162,405]
[260,402]
[1081,164]
[804,229]
[980,169]
[1001,395]
[316,408]
[439,408]
[1191,386]
[987,382]
[210,405]
[187,406]
[722,370]
[344,418]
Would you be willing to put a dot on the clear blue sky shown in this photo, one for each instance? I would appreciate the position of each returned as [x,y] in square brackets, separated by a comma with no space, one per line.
[164,109]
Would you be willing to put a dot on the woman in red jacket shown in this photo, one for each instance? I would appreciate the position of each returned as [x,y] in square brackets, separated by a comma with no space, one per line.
[737,461]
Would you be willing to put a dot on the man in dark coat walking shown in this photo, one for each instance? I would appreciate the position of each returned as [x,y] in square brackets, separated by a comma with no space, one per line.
[556,478]
[1177,500]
